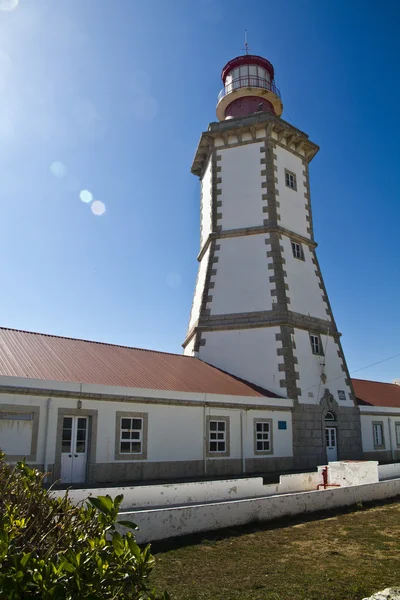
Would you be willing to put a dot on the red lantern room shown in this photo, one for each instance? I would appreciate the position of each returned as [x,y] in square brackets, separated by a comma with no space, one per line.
[248,88]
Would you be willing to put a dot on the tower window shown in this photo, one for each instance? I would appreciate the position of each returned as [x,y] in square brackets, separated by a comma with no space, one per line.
[342,395]
[290,179]
[298,250]
[316,344]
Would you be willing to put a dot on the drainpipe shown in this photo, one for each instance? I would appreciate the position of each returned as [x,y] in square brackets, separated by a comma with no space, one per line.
[390,437]
[204,440]
[46,435]
[242,443]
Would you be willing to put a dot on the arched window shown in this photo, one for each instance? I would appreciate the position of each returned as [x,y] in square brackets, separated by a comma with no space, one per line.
[330,416]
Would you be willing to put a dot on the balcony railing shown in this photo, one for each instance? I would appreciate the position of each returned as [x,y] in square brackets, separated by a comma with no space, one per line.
[248,81]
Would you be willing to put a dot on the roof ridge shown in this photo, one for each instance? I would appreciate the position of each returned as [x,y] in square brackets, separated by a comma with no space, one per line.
[65,337]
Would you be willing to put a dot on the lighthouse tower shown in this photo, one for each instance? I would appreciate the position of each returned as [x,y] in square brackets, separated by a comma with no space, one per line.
[260,309]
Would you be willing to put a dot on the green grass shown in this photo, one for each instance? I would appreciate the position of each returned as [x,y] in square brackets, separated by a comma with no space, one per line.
[345,556]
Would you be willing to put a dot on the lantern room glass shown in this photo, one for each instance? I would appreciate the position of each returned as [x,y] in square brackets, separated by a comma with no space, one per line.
[247,76]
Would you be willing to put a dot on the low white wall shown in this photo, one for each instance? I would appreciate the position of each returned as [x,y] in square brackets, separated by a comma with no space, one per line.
[199,491]
[387,471]
[195,492]
[298,482]
[178,493]
[339,473]
[352,472]
[171,522]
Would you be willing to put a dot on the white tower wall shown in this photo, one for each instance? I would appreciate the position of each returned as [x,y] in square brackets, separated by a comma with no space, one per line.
[251,355]
[249,292]
[260,301]
[240,191]
[292,209]
[199,291]
[306,296]
[206,203]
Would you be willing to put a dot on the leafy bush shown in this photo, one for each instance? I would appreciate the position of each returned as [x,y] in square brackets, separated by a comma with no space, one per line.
[53,550]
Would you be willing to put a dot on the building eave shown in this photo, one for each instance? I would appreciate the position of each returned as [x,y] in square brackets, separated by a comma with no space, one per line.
[251,124]
[77,391]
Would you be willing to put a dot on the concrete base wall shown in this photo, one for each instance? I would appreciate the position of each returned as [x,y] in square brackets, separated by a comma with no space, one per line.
[169,470]
[383,456]
[159,524]
[146,470]
[269,465]
[309,433]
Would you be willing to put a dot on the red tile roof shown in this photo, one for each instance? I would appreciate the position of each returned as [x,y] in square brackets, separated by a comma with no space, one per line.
[376,393]
[49,357]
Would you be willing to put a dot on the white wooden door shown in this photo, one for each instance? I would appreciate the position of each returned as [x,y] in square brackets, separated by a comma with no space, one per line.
[331,443]
[74,449]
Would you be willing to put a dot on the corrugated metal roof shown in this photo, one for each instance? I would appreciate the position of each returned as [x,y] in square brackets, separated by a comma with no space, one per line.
[49,357]
[376,393]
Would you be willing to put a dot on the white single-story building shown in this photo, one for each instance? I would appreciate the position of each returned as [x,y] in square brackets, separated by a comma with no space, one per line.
[89,412]
[379,405]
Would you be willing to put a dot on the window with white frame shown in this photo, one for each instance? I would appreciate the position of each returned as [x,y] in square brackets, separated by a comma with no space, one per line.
[397,426]
[290,180]
[262,436]
[297,250]
[377,429]
[131,433]
[217,436]
[131,429]
[341,395]
[316,344]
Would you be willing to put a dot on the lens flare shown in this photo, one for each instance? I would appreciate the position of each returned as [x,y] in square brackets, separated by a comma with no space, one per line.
[58,169]
[8,4]
[86,196]
[98,208]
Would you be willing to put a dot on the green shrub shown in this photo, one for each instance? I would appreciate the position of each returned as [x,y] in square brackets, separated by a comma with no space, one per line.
[53,550]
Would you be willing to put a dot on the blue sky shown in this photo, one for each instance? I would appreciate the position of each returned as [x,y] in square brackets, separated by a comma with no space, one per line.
[111,97]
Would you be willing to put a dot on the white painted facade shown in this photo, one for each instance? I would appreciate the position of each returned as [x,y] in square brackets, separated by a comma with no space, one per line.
[291,202]
[198,294]
[241,282]
[248,353]
[176,425]
[177,431]
[249,292]
[206,203]
[304,299]
[241,186]
[16,433]
[388,418]
[310,368]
